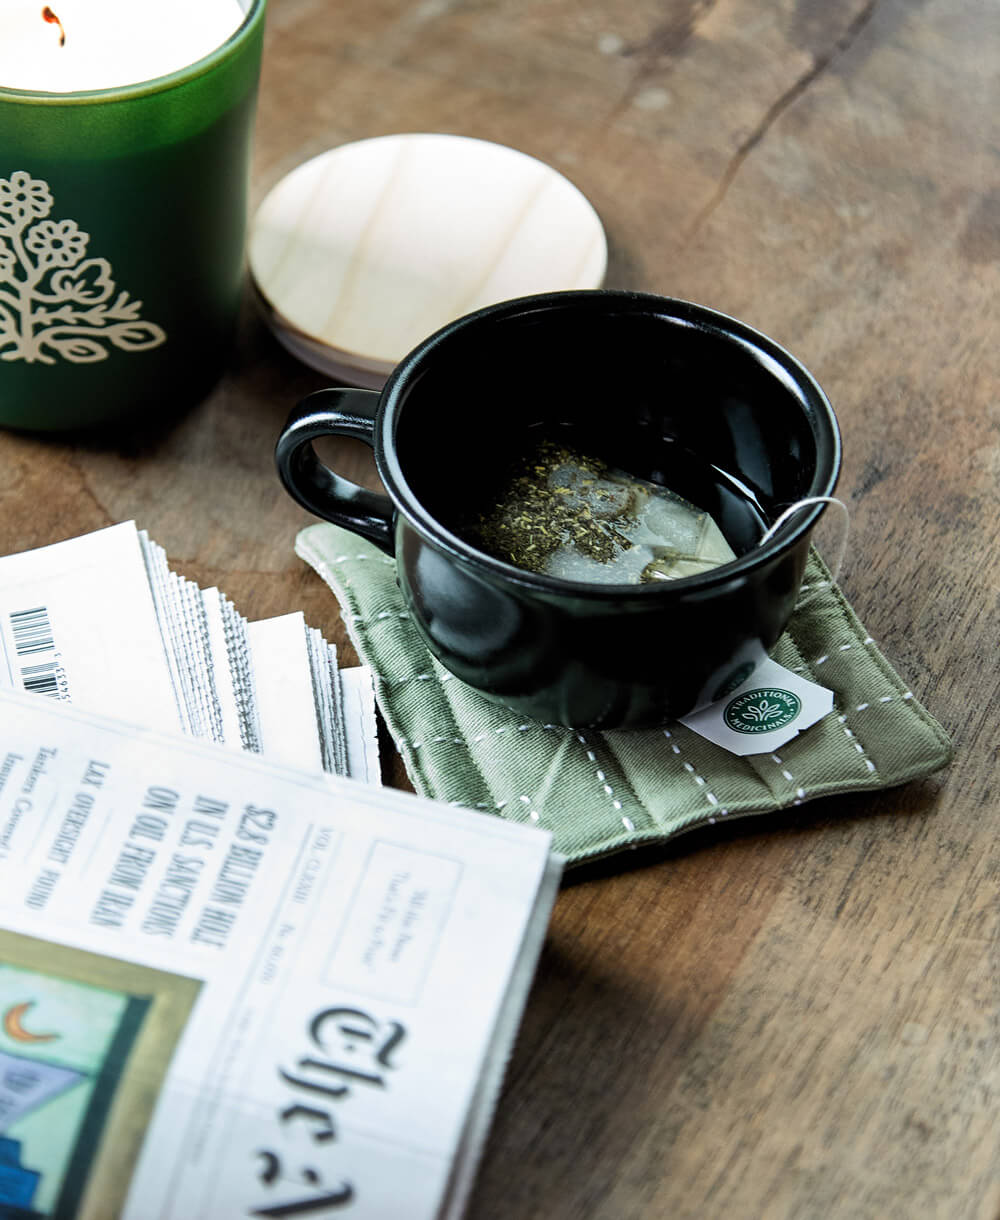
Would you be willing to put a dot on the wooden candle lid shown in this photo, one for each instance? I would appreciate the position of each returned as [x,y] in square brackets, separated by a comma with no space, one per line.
[362,252]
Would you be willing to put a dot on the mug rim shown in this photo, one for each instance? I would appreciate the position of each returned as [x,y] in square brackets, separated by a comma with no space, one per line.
[688,313]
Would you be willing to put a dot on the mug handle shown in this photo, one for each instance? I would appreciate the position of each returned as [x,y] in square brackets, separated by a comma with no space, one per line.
[333,412]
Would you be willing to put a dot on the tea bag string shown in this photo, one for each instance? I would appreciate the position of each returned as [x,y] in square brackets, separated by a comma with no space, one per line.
[841,547]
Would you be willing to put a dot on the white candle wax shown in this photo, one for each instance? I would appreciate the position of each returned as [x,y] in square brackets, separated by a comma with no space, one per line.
[108,43]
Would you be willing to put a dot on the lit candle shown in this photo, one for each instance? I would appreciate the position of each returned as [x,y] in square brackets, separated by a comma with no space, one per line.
[125,130]
[75,45]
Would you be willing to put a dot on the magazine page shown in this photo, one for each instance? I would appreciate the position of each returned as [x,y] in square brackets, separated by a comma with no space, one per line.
[233,989]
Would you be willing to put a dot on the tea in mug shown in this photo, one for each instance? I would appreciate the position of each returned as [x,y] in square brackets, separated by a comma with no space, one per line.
[566,514]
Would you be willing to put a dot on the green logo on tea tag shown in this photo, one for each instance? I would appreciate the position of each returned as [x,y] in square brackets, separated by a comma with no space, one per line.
[774,705]
[762,710]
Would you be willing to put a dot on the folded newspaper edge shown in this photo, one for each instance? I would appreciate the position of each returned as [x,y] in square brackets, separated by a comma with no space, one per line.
[101,621]
[280,993]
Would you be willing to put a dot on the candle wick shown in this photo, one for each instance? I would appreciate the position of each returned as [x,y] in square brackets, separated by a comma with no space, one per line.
[49,16]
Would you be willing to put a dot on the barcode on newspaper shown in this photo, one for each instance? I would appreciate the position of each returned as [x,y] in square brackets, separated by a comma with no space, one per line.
[33,639]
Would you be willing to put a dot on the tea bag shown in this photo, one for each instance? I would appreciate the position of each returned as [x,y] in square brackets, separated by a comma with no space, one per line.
[568,515]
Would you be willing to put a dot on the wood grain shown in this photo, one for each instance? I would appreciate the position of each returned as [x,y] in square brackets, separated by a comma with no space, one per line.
[797,1018]
[365,250]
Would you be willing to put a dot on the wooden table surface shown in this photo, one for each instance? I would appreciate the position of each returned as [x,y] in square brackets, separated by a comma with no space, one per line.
[798,1016]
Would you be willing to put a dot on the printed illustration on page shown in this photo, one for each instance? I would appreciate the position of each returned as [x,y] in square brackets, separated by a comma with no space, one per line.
[85,1041]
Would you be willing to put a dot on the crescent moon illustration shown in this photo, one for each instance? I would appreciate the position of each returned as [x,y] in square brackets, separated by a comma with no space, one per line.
[13,1028]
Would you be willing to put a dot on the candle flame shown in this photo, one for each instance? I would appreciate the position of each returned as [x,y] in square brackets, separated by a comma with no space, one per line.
[49,16]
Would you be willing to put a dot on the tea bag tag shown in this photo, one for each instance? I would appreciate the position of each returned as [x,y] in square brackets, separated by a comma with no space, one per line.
[771,707]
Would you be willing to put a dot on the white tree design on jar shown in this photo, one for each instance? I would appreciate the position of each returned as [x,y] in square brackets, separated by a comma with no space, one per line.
[54,301]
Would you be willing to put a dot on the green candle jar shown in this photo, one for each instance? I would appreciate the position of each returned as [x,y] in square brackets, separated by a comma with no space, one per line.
[122,226]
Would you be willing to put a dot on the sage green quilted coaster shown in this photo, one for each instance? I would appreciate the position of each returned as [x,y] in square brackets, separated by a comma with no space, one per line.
[600,793]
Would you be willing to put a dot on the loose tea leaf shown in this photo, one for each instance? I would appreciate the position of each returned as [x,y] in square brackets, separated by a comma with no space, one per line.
[566,514]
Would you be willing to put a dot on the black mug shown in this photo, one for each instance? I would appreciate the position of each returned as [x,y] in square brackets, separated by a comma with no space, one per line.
[668,391]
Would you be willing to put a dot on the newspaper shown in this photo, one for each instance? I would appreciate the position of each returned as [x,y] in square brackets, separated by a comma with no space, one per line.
[101,621]
[228,988]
